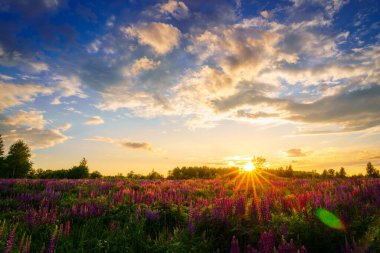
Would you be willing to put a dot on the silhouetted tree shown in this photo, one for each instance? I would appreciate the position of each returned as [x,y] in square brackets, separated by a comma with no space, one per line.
[331,172]
[95,174]
[371,171]
[80,171]
[325,173]
[342,173]
[289,171]
[154,175]
[18,160]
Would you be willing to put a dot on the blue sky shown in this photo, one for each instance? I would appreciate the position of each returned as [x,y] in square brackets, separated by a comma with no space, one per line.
[141,85]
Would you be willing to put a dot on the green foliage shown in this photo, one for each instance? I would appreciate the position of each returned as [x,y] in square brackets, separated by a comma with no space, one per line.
[371,171]
[18,160]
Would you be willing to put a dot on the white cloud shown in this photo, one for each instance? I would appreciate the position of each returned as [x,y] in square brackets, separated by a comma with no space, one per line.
[177,9]
[65,127]
[265,14]
[6,77]
[32,119]
[67,87]
[36,138]
[161,37]
[141,65]
[94,46]
[14,94]
[95,120]
[39,66]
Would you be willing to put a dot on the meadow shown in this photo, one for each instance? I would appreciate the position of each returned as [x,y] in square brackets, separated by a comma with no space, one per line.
[219,215]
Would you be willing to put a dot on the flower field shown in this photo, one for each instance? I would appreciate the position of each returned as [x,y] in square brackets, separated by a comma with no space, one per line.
[279,215]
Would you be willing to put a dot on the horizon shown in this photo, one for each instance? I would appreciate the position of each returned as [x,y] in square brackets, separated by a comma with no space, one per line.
[136,86]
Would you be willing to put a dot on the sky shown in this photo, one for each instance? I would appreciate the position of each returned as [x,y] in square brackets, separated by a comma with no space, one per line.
[142,85]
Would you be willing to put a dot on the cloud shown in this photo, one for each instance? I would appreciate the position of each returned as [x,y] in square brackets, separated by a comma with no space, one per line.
[177,9]
[95,120]
[31,119]
[161,37]
[351,110]
[295,152]
[15,94]
[141,65]
[94,46]
[124,143]
[265,14]
[36,138]
[6,77]
[64,127]
[39,66]
[136,145]
[30,127]
[67,87]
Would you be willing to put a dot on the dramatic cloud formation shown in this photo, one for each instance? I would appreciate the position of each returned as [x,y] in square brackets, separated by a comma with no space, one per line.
[297,69]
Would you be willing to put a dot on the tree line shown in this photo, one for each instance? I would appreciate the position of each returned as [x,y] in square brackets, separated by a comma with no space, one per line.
[17,164]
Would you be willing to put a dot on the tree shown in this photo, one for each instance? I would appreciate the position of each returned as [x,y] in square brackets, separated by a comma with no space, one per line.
[331,172]
[154,175]
[95,174]
[342,173]
[371,171]
[18,160]
[80,171]
[324,173]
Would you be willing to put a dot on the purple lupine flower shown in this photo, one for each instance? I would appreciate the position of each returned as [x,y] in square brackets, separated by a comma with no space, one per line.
[67,229]
[2,230]
[267,242]
[283,230]
[10,241]
[53,240]
[234,245]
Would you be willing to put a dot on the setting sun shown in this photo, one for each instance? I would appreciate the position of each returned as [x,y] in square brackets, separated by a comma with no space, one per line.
[249,167]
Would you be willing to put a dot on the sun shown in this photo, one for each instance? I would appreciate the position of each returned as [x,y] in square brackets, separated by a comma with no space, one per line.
[249,167]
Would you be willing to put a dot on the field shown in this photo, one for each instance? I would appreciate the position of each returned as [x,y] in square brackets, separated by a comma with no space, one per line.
[279,215]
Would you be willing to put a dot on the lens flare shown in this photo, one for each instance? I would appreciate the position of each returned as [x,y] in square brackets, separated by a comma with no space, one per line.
[329,219]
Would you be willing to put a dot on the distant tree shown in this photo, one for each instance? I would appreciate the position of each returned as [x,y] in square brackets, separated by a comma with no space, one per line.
[342,173]
[95,174]
[18,160]
[331,172]
[289,171]
[371,171]
[80,171]
[259,162]
[325,174]
[154,175]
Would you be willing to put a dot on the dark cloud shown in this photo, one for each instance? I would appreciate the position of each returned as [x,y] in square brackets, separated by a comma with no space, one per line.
[137,145]
[353,110]
[295,152]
